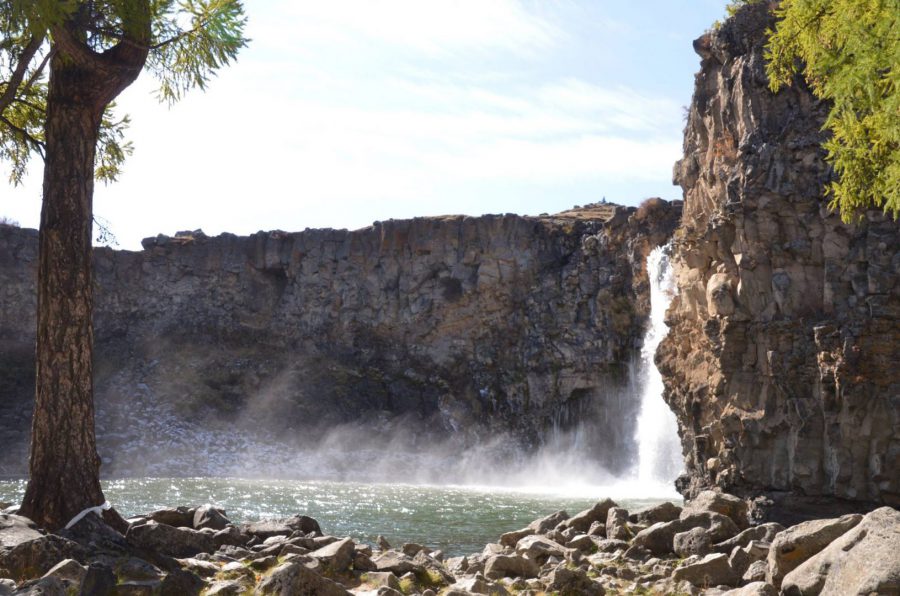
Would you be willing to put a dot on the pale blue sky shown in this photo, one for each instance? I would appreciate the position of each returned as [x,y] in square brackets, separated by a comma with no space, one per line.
[343,112]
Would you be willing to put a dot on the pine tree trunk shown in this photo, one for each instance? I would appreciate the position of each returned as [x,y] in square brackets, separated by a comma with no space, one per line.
[64,466]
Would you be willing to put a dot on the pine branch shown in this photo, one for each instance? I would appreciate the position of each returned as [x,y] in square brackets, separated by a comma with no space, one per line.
[25,58]
[38,145]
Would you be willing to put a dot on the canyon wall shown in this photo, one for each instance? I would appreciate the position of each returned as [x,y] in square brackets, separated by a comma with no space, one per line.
[783,359]
[463,327]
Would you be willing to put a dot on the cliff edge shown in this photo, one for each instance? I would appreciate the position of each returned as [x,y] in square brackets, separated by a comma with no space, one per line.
[782,360]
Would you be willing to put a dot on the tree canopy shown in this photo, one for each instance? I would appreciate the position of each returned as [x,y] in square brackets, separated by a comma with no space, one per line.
[185,42]
[848,51]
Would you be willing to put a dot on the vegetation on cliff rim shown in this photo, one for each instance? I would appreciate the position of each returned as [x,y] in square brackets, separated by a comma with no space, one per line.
[64,63]
[848,51]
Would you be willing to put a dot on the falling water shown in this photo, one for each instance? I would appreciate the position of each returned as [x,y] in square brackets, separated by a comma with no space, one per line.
[659,450]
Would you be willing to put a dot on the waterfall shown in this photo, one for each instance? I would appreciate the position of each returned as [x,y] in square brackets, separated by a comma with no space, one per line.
[659,449]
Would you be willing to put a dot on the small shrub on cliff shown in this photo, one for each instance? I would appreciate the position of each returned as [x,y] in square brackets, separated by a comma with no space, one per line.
[648,207]
[849,53]
[6,221]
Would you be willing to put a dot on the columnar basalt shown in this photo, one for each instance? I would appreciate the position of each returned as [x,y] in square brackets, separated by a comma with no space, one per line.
[466,326]
[782,360]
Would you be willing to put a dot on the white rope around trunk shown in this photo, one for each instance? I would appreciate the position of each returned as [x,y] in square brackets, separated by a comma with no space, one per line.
[98,510]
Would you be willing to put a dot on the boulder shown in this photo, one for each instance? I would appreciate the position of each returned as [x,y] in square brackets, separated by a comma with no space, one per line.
[229,536]
[228,587]
[563,580]
[582,542]
[753,589]
[207,516]
[537,548]
[617,524]
[659,538]
[478,585]
[511,538]
[26,553]
[609,545]
[282,527]
[396,563]
[664,512]
[165,539]
[798,543]
[177,517]
[361,562]
[864,560]
[730,506]
[545,524]
[756,572]
[336,556]
[764,533]
[711,570]
[179,582]
[498,566]
[45,586]
[411,549]
[742,557]
[693,542]
[294,579]
[582,521]
[99,580]
[382,578]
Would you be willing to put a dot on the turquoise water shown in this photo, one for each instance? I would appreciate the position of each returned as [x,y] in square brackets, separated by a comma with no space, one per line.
[458,520]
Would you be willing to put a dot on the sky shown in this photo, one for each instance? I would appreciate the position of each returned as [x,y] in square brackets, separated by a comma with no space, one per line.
[340,113]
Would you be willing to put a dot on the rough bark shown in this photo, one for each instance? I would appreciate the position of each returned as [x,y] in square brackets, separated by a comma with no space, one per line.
[64,465]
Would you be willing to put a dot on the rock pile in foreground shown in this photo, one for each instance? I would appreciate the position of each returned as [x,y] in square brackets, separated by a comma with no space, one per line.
[707,547]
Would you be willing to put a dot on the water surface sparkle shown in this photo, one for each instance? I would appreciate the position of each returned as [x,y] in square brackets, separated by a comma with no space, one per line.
[456,519]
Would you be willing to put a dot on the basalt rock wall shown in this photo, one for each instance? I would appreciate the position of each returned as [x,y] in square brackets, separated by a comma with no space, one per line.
[451,326]
[783,360]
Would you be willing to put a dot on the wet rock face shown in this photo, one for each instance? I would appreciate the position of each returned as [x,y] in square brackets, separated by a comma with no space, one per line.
[781,363]
[453,325]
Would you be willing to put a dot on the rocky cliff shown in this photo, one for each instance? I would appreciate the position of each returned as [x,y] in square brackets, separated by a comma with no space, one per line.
[463,327]
[782,360]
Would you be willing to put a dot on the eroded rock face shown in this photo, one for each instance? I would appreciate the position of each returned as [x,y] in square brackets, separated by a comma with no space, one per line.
[781,360]
[452,325]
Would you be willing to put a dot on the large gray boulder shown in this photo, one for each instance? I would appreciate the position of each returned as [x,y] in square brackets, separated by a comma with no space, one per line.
[693,542]
[538,548]
[763,533]
[753,589]
[663,512]
[294,579]
[282,527]
[545,524]
[659,538]
[208,516]
[864,560]
[26,553]
[711,570]
[730,506]
[175,542]
[617,524]
[511,538]
[498,566]
[177,517]
[795,545]
[563,580]
[395,562]
[336,556]
[582,521]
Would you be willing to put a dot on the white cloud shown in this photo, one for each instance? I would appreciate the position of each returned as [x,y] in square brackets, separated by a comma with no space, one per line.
[430,26]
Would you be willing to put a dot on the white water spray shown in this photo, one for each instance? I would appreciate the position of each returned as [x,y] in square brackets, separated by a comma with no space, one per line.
[659,450]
